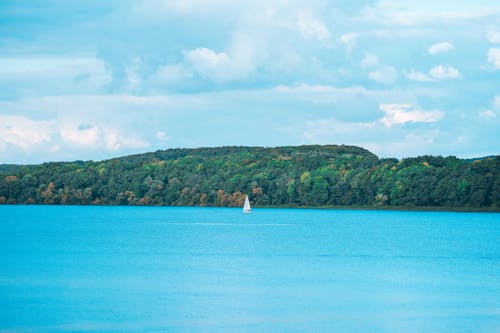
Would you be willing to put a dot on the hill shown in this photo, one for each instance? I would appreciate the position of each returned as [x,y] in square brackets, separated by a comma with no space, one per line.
[282,176]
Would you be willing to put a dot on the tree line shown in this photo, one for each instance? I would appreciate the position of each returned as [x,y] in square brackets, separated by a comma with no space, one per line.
[283,176]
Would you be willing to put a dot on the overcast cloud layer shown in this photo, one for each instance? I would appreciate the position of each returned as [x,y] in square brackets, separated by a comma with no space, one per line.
[97,79]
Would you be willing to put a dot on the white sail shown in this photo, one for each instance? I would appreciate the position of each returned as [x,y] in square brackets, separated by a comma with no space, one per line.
[246,206]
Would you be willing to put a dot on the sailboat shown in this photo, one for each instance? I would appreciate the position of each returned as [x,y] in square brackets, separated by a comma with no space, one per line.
[246,206]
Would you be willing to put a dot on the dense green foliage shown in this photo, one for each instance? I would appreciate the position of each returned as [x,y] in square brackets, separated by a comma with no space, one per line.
[292,176]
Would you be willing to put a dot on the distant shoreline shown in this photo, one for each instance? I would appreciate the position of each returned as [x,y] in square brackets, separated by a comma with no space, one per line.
[368,208]
[400,208]
[313,176]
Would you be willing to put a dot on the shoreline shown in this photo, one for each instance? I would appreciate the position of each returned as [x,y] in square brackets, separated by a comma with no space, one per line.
[367,208]
[399,208]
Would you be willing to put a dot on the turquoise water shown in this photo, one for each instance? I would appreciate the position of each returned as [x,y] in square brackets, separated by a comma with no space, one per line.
[159,269]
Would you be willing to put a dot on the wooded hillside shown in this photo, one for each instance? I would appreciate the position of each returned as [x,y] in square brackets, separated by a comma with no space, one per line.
[292,176]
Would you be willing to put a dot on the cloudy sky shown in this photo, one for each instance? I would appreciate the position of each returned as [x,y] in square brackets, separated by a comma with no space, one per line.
[95,79]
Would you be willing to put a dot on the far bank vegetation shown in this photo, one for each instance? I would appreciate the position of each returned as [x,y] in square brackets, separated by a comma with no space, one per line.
[284,176]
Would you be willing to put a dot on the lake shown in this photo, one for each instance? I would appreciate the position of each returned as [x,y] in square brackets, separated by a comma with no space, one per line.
[166,269]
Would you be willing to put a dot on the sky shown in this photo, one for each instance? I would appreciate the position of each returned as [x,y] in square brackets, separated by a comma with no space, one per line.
[92,80]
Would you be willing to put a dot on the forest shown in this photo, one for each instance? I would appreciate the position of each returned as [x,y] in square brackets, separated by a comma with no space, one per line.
[301,176]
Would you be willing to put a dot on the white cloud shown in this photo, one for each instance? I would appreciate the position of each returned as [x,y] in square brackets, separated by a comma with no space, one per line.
[349,39]
[255,34]
[120,101]
[80,134]
[418,76]
[207,62]
[161,135]
[494,37]
[153,8]
[113,140]
[132,72]
[315,88]
[399,114]
[494,57]
[379,139]
[444,72]
[491,113]
[385,75]
[440,48]
[98,137]
[178,5]
[369,60]
[61,134]
[487,114]
[405,13]
[238,62]
[311,27]
[22,132]
[246,53]
[439,72]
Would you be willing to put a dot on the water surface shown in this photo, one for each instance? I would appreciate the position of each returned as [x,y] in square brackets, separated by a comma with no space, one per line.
[163,269]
